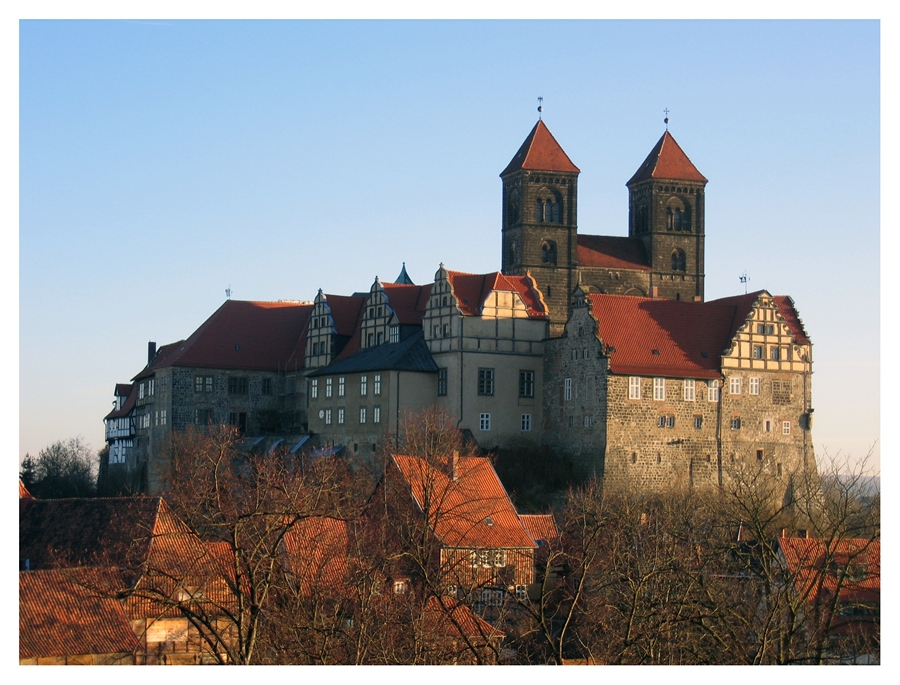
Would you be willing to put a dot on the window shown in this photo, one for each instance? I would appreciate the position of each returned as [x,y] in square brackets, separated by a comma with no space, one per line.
[588,421]
[376,382]
[757,352]
[712,391]
[484,422]
[526,383]
[754,386]
[162,417]
[775,354]
[380,337]
[238,419]
[141,391]
[634,388]
[485,381]
[328,417]
[363,385]
[567,389]
[198,383]
[585,354]
[437,331]
[765,329]
[370,340]
[341,386]
[735,423]
[786,427]
[678,260]
[156,418]
[237,385]
[548,252]
[266,386]
[781,392]
[767,426]
[328,387]
[446,330]
[665,421]
[442,381]
[340,416]
[734,385]
[400,587]
[202,417]
[574,355]
[521,592]
[526,422]
[376,414]
[689,390]
[394,334]
[659,388]
[486,558]
[698,422]
[150,387]
[362,414]
[314,388]
[759,455]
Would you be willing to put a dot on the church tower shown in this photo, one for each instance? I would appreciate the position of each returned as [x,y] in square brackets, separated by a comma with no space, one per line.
[540,202]
[666,212]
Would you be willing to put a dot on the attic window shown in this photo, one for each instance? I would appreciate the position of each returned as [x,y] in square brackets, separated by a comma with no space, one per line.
[488,521]
[656,352]
[237,347]
[704,355]
[610,349]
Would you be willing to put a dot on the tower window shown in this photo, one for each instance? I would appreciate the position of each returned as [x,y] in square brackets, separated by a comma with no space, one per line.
[678,260]
[548,252]
[548,211]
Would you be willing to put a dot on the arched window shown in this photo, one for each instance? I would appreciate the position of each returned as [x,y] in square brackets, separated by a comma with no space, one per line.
[678,215]
[548,252]
[678,260]
[512,215]
[548,207]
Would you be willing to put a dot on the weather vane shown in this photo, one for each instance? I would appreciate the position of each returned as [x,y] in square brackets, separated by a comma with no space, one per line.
[540,106]
[744,279]
[666,120]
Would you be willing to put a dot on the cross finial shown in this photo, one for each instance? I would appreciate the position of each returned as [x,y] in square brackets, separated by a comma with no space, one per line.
[540,106]
[666,120]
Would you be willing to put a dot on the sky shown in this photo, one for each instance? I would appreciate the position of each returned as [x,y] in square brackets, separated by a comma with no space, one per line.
[162,162]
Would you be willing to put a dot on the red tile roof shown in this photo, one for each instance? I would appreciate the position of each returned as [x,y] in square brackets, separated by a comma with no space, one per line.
[23,491]
[791,318]
[743,305]
[667,160]
[317,552]
[680,332]
[123,389]
[256,336]
[471,291]
[346,312]
[67,612]
[540,152]
[408,302]
[612,252]
[472,511]
[128,405]
[447,617]
[816,566]
[541,527]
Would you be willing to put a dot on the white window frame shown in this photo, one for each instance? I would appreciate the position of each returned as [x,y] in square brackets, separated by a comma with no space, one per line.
[340,416]
[376,384]
[394,334]
[328,387]
[753,386]
[363,385]
[689,389]
[328,417]
[735,385]
[162,417]
[376,414]
[712,391]
[567,389]
[634,387]
[484,421]
[314,388]
[342,386]
[362,414]
[775,354]
[659,389]
[526,422]
[785,427]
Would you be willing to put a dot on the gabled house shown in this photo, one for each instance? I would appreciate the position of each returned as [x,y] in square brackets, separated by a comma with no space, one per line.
[480,543]
[137,552]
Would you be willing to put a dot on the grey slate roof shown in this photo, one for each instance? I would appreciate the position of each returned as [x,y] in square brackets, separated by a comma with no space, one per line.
[410,354]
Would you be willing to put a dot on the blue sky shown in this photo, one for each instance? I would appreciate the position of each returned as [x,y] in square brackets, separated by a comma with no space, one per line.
[161,162]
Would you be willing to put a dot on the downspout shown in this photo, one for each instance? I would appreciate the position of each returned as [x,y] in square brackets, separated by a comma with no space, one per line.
[719,430]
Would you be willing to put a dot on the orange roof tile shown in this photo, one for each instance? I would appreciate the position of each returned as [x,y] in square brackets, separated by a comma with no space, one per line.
[23,491]
[258,336]
[471,291]
[317,552]
[449,617]
[612,252]
[408,302]
[667,160]
[817,566]
[128,405]
[541,527]
[540,152]
[472,511]
[68,612]
[680,332]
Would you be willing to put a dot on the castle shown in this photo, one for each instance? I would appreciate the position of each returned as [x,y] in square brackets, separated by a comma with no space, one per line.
[601,347]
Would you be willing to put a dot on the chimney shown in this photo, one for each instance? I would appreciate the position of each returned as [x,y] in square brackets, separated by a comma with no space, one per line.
[784,532]
[654,291]
[151,352]
[454,465]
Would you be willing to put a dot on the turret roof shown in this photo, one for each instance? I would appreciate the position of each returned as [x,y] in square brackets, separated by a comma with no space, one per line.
[540,152]
[667,160]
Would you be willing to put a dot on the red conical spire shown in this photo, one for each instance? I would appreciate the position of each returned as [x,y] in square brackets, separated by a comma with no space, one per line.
[541,152]
[667,160]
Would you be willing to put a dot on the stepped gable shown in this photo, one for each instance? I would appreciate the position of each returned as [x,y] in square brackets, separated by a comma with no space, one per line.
[667,161]
[68,613]
[540,152]
[791,318]
[744,304]
[346,313]
[258,336]
[472,511]
[612,252]
[471,291]
[681,333]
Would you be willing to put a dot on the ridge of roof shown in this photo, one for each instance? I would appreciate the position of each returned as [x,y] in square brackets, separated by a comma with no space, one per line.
[667,161]
[471,291]
[540,152]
